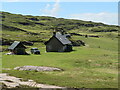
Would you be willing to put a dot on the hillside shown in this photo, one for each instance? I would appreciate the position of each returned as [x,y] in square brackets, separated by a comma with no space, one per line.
[27,28]
[94,65]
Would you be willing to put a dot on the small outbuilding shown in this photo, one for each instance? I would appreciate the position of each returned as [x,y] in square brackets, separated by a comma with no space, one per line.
[58,43]
[17,48]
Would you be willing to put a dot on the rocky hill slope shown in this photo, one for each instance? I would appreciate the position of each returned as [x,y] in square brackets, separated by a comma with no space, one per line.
[31,29]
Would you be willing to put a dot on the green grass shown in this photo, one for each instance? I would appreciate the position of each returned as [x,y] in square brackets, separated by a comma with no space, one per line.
[92,66]
[85,67]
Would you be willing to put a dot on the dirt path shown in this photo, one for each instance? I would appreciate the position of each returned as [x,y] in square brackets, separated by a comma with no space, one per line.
[12,82]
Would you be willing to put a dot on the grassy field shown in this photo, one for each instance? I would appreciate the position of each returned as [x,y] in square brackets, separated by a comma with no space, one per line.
[92,66]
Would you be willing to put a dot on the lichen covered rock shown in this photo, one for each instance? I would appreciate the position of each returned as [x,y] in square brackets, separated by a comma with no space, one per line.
[37,68]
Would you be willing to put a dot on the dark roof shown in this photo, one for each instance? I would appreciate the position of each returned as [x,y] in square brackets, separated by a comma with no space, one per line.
[15,44]
[61,38]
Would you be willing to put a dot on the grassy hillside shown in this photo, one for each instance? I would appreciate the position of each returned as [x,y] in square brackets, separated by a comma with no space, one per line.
[40,28]
[92,66]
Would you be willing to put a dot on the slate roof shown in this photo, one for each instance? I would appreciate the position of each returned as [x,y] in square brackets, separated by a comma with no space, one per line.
[61,38]
[14,45]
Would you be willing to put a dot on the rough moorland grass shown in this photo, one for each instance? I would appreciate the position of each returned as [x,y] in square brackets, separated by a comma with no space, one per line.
[89,67]
[93,66]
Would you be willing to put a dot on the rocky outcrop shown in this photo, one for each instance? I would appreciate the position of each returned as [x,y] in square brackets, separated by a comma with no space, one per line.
[40,24]
[112,30]
[37,68]
[33,19]
[9,42]
[18,83]
[78,43]
[10,28]
[5,41]
[24,23]
[76,34]
[27,43]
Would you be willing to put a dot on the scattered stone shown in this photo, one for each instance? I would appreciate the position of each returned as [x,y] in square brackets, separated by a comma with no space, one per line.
[37,68]
[14,82]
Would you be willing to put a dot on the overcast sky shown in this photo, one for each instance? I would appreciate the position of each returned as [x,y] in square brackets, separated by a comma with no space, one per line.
[105,11]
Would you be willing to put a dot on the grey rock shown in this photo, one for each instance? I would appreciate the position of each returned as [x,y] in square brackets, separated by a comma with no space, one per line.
[37,68]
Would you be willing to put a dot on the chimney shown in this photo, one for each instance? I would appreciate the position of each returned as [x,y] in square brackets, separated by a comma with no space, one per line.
[62,32]
[54,32]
